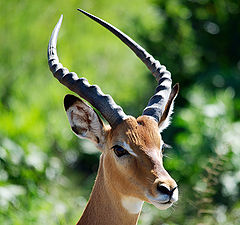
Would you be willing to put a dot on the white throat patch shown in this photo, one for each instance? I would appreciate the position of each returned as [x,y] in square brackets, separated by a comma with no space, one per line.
[131,204]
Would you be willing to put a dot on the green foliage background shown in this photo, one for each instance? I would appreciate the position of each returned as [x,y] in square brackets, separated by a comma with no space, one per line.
[46,174]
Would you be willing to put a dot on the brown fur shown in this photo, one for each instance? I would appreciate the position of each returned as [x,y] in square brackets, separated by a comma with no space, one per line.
[128,175]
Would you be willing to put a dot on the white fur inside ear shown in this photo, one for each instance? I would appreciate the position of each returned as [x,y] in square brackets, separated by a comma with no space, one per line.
[85,122]
[167,121]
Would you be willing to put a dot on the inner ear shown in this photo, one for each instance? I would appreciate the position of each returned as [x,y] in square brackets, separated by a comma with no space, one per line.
[84,121]
[165,118]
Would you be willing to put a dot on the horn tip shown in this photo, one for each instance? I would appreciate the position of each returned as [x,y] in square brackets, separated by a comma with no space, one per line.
[80,10]
[86,13]
[60,19]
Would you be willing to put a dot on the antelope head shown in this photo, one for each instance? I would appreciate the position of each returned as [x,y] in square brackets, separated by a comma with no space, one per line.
[131,164]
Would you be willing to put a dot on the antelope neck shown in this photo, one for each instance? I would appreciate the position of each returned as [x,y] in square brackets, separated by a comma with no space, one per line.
[105,206]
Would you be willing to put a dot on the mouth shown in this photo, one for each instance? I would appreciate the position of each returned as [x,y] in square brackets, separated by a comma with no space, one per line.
[161,205]
[163,201]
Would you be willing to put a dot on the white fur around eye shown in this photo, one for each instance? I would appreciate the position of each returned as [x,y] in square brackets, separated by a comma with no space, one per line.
[128,148]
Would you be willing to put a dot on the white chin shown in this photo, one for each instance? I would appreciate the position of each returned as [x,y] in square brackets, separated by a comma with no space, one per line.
[162,206]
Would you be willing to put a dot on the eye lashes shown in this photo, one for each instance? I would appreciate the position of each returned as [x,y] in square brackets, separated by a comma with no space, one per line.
[166,146]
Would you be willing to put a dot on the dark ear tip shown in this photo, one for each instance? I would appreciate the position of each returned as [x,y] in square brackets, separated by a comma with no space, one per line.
[176,87]
[69,100]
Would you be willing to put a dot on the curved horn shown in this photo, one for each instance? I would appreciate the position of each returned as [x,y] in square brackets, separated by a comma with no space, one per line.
[91,93]
[157,103]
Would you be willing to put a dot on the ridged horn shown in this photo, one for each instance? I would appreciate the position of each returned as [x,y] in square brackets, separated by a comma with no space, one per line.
[91,93]
[157,103]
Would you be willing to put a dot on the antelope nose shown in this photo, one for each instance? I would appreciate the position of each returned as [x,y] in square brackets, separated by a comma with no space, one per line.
[172,193]
[163,189]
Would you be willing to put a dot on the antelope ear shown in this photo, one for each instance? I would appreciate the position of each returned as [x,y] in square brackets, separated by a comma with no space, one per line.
[84,121]
[166,116]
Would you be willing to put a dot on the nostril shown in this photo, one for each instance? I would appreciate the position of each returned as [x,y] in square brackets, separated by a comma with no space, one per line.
[163,189]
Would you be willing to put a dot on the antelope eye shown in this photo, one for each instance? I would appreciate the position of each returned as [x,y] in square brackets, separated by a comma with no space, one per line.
[119,151]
